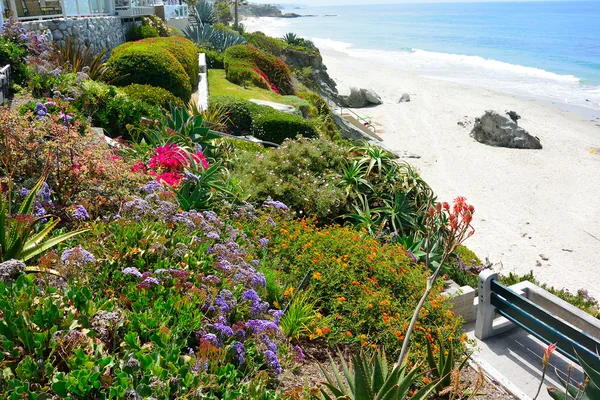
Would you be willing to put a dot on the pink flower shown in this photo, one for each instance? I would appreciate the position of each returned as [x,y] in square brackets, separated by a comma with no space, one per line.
[170,178]
[169,157]
[201,159]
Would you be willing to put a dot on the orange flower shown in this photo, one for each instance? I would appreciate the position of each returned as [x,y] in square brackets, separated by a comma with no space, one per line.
[317,275]
[341,299]
[547,353]
[426,380]
[348,333]
[356,283]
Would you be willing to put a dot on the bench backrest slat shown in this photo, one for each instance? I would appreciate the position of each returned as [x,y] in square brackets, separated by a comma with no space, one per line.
[543,315]
[518,312]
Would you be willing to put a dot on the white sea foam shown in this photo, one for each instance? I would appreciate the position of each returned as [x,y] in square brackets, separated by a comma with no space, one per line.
[474,70]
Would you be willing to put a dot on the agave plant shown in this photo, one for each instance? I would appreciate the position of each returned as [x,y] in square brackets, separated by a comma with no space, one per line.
[371,378]
[200,33]
[376,156]
[205,13]
[353,177]
[398,213]
[201,185]
[290,38]
[588,391]
[18,236]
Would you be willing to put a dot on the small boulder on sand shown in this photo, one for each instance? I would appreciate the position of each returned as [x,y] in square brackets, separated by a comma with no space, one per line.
[405,98]
[495,129]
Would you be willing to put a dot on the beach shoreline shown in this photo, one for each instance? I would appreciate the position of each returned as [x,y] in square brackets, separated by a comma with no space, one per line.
[536,210]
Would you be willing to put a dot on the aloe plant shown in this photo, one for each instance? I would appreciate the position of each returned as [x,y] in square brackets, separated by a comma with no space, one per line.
[588,391]
[200,33]
[371,378]
[442,367]
[18,237]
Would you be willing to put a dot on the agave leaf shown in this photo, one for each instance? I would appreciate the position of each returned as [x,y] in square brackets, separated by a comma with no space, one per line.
[557,394]
[29,201]
[336,373]
[392,394]
[378,376]
[591,372]
[347,373]
[48,244]
[362,389]
[425,391]
[41,235]
[392,379]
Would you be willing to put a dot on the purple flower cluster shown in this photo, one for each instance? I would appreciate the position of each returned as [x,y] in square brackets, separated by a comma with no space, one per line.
[277,205]
[80,213]
[77,256]
[239,352]
[273,361]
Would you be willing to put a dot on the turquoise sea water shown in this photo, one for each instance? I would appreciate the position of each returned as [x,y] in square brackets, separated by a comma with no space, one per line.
[547,50]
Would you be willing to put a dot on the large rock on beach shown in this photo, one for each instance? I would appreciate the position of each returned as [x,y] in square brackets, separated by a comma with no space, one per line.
[495,129]
[359,98]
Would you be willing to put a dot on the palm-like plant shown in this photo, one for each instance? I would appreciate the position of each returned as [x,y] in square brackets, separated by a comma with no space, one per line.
[376,156]
[353,177]
[399,213]
[371,378]
[18,236]
[290,38]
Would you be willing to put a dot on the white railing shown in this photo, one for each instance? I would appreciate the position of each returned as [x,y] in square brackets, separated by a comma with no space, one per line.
[176,11]
[4,83]
[134,8]
[49,9]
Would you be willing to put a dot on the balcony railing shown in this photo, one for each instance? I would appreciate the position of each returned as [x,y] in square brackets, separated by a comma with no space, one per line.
[47,9]
[173,11]
[134,8]
[4,83]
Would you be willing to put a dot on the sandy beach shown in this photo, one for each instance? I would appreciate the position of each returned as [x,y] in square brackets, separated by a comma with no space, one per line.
[536,210]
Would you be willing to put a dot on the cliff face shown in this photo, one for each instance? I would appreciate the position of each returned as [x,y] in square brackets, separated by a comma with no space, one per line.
[301,59]
[259,10]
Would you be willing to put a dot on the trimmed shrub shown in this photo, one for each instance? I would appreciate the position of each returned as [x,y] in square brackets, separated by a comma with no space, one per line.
[175,31]
[269,44]
[152,95]
[144,63]
[15,55]
[214,59]
[239,111]
[245,63]
[141,32]
[183,50]
[275,126]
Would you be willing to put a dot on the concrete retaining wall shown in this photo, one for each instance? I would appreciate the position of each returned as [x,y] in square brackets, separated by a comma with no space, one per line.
[202,99]
[95,32]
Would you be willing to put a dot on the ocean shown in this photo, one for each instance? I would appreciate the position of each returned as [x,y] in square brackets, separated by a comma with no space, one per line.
[542,50]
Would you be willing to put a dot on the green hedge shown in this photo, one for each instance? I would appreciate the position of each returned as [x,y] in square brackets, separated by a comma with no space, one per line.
[152,95]
[141,32]
[183,50]
[214,59]
[145,63]
[239,111]
[244,63]
[275,126]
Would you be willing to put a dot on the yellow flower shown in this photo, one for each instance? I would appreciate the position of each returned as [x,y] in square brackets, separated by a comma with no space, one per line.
[288,292]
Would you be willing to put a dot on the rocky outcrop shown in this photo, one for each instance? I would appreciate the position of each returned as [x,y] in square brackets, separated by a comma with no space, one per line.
[405,98]
[303,59]
[359,98]
[495,129]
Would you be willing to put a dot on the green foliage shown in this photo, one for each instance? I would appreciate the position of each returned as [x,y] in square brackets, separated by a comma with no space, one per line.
[581,299]
[145,63]
[189,127]
[239,111]
[372,378]
[16,56]
[183,50]
[290,38]
[321,114]
[368,288]
[140,32]
[157,23]
[151,95]
[300,318]
[442,366]
[276,126]
[201,191]
[206,13]
[224,14]
[75,57]
[585,391]
[203,34]
[266,43]
[175,32]
[244,63]
[299,174]
[21,237]
[214,59]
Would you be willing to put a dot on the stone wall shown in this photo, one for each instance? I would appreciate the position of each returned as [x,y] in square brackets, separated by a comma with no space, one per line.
[95,32]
